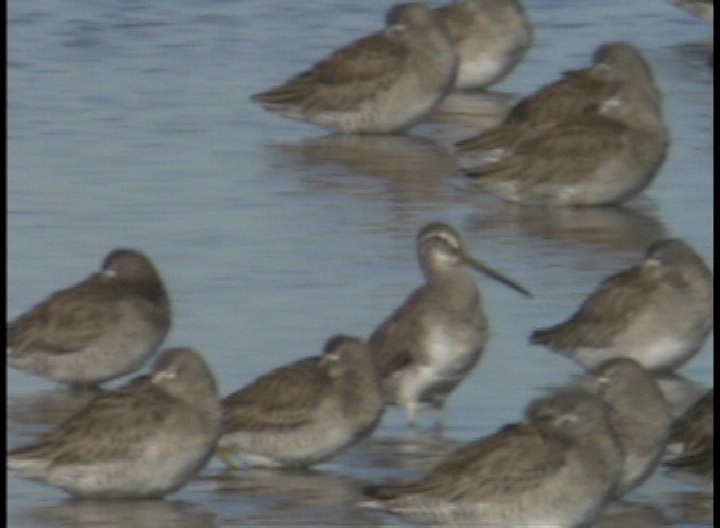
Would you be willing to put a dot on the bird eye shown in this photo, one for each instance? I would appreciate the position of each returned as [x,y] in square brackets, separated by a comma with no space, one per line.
[603,380]
[567,418]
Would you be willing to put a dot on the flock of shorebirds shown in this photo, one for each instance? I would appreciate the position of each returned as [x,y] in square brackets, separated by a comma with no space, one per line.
[595,136]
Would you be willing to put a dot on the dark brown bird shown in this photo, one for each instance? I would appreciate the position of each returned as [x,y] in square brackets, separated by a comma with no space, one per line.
[101,328]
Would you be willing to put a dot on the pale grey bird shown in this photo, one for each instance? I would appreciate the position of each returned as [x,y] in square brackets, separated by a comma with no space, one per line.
[639,415]
[101,328]
[558,468]
[490,37]
[145,440]
[306,412]
[658,313]
[431,342]
[386,82]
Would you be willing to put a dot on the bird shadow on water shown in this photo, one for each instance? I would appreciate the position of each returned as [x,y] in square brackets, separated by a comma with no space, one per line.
[690,507]
[626,514]
[402,455]
[325,495]
[296,497]
[120,514]
[623,230]
[409,164]
[467,113]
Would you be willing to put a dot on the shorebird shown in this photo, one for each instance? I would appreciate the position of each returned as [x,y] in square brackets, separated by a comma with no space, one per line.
[557,468]
[101,328]
[432,341]
[145,440]
[614,64]
[691,449]
[306,412]
[658,313]
[490,37]
[639,415]
[603,156]
[385,82]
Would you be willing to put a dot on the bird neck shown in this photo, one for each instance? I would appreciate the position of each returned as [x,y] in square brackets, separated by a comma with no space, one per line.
[457,287]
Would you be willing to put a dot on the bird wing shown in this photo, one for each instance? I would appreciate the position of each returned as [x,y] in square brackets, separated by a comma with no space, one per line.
[66,321]
[596,322]
[561,99]
[691,436]
[393,343]
[553,105]
[502,136]
[113,427]
[367,65]
[505,463]
[285,397]
[543,160]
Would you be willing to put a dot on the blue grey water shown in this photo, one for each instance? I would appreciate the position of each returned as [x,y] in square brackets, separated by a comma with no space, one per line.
[130,124]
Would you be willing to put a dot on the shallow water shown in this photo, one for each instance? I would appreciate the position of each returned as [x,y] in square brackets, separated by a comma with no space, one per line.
[130,124]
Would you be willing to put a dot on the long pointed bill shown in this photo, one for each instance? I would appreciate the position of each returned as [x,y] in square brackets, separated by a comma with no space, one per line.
[474,263]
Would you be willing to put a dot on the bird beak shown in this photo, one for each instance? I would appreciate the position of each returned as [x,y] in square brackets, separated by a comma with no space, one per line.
[493,274]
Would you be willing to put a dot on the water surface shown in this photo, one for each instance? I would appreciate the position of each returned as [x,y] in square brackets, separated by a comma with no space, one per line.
[130,124]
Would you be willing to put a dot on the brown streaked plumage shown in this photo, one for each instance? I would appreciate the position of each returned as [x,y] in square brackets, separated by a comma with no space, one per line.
[604,156]
[557,468]
[432,341]
[691,448]
[490,37]
[306,412]
[658,313]
[562,100]
[615,64]
[101,328]
[639,415]
[144,440]
[385,82]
